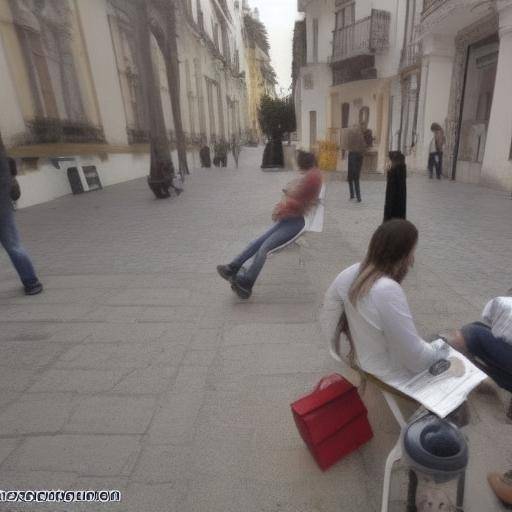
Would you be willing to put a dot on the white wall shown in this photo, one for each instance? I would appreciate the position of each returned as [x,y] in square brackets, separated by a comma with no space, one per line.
[436,77]
[11,117]
[98,42]
[497,168]
[316,99]
[323,10]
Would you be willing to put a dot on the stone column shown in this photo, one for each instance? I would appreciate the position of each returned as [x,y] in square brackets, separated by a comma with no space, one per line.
[496,167]
[438,58]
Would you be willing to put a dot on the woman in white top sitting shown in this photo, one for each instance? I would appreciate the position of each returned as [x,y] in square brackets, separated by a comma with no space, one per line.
[383,337]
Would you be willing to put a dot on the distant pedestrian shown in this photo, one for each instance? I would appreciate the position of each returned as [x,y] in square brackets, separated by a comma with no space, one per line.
[435,155]
[396,187]
[235,149]
[204,155]
[220,150]
[9,237]
[288,216]
[356,145]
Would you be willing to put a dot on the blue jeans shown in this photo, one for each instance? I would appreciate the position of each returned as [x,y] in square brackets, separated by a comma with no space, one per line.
[494,352]
[435,160]
[11,242]
[278,234]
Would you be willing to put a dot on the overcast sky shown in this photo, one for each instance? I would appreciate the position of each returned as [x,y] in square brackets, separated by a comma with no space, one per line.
[279,17]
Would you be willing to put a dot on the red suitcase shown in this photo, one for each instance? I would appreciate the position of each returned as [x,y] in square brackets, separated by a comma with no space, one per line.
[332,420]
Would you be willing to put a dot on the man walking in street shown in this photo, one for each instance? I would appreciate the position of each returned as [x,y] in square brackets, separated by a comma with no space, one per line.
[435,155]
[9,237]
[356,146]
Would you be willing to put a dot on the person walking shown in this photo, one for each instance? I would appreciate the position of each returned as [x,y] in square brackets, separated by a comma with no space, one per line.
[396,187]
[356,146]
[435,156]
[9,237]
[235,149]
[288,216]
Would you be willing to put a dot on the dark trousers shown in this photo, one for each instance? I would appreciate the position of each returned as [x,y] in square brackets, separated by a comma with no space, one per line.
[495,353]
[355,162]
[435,160]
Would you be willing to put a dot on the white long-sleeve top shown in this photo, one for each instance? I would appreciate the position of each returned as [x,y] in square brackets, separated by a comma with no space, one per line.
[382,328]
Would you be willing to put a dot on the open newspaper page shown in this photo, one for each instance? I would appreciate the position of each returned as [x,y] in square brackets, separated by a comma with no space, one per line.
[442,393]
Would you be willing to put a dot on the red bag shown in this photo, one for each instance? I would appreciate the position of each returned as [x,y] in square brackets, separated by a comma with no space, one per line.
[332,420]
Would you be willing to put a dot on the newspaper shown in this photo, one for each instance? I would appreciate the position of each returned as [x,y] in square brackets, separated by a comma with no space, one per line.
[442,393]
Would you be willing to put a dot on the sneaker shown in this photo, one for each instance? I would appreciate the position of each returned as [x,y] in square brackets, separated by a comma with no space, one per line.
[33,289]
[227,272]
[243,290]
[502,486]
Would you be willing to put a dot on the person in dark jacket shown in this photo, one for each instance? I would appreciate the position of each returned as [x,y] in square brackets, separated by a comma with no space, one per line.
[396,187]
[9,237]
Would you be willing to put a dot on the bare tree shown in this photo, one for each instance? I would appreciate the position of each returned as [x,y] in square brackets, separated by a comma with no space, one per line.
[166,36]
[161,174]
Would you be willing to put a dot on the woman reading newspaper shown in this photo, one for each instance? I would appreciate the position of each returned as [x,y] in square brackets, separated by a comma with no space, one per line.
[383,337]
[383,341]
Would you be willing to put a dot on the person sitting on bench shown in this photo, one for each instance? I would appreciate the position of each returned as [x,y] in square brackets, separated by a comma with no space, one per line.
[288,216]
[382,335]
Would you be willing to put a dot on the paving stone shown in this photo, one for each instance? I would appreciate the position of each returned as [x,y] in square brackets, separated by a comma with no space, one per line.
[84,454]
[175,418]
[148,380]
[41,415]
[112,415]
[81,381]
[161,464]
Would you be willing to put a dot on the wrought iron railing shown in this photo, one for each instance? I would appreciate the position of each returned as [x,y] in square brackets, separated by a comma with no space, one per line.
[430,6]
[411,55]
[368,35]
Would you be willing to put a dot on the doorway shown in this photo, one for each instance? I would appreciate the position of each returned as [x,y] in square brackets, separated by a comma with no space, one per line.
[476,108]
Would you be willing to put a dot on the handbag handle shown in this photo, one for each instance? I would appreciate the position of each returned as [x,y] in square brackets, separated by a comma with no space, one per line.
[327,381]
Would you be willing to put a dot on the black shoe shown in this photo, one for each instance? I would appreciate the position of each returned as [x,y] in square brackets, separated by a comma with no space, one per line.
[359,200]
[244,291]
[33,289]
[227,272]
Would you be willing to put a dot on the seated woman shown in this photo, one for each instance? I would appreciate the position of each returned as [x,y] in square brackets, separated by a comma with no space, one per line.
[384,340]
[288,216]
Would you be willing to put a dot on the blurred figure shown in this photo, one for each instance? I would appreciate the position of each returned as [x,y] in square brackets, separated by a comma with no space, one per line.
[288,216]
[396,187]
[435,157]
[9,237]
[356,146]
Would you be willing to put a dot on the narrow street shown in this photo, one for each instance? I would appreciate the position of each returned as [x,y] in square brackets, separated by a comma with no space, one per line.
[139,370]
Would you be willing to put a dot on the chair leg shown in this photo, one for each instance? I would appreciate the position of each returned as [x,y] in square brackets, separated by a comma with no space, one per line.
[394,455]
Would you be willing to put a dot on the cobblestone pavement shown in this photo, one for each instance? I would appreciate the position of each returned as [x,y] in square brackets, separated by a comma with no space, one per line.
[139,370]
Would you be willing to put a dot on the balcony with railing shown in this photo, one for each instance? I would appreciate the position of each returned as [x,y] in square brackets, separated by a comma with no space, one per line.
[367,36]
[411,55]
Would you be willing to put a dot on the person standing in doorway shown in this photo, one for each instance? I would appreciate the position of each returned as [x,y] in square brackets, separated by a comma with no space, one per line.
[396,187]
[356,145]
[435,156]
[9,237]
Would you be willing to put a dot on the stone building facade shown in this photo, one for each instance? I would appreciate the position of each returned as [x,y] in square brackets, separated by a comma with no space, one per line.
[71,94]
[407,65]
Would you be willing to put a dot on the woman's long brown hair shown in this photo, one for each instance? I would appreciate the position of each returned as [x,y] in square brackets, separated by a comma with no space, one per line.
[387,256]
